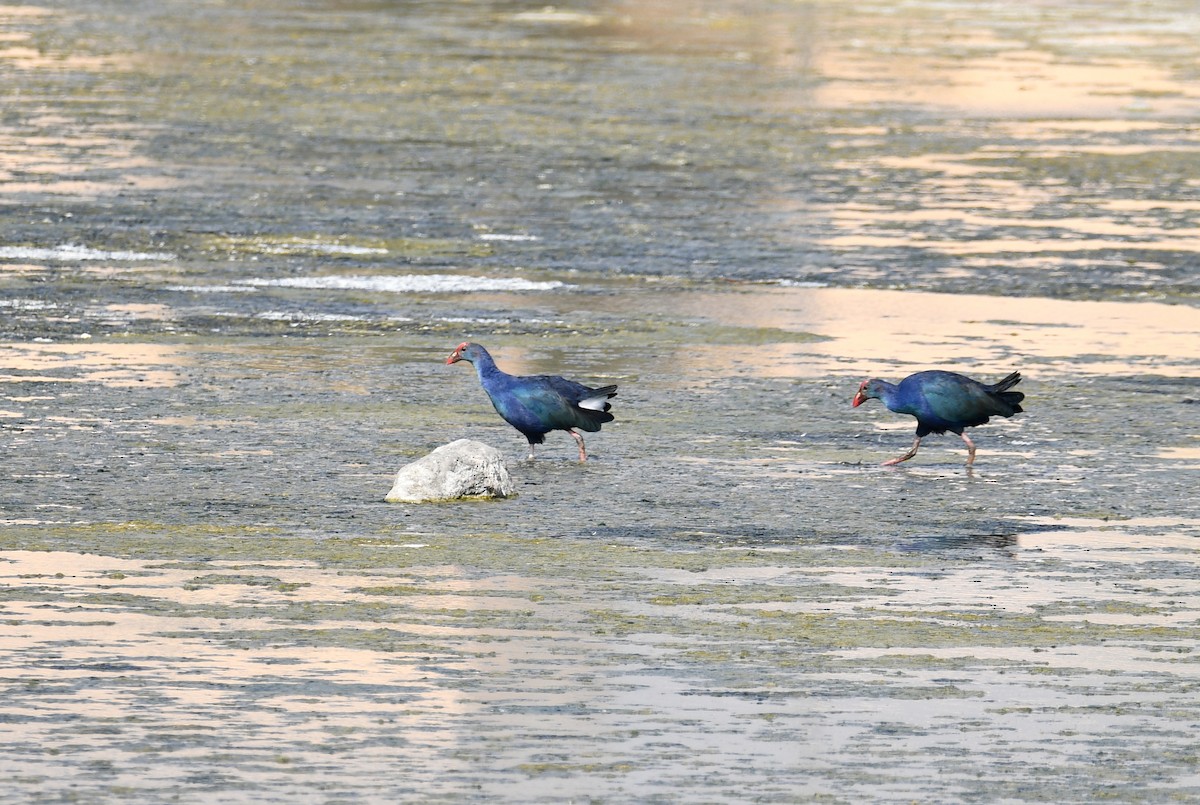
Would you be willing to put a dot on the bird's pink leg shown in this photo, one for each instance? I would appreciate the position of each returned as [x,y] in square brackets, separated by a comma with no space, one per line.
[579,441]
[970,449]
[906,456]
[531,455]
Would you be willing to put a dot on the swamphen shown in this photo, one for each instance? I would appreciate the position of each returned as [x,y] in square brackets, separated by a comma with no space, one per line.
[538,404]
[944,401]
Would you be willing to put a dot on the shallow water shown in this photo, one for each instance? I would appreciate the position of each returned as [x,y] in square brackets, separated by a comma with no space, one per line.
[239,240]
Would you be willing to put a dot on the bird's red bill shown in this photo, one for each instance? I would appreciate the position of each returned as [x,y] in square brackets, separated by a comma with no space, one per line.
[456,355]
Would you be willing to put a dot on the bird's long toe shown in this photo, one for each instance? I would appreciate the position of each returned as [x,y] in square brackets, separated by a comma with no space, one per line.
[892,461]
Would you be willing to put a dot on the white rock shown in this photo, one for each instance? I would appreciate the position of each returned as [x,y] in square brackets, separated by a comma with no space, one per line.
[461,469]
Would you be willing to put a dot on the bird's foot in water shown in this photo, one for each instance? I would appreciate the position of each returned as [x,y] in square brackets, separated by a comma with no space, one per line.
[892,461]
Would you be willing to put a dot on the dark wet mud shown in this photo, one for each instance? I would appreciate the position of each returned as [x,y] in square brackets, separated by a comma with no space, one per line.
[240,239]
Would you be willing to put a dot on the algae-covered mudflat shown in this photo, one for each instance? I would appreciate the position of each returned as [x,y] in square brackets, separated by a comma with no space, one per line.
[239,239]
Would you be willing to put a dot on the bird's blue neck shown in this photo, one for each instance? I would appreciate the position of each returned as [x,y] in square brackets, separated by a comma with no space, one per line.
[486,368]
[892,398]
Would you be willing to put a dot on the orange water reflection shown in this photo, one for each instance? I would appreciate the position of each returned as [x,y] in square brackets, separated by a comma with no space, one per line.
[1014,82]
[28,55]
[982,64]
[873,327]
[114,364]
[56,153]
[870,331]
[159,632]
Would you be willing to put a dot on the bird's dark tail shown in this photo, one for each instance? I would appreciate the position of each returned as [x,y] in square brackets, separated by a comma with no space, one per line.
[595,408]
[1010,398]
[597,399]
[1007,383]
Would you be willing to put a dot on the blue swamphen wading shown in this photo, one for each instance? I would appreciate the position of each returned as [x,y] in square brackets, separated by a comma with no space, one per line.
[944,401]
[538,404]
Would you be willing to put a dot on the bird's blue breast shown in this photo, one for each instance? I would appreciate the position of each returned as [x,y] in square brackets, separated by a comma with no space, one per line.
[518,414]
[942,401]
[527,405]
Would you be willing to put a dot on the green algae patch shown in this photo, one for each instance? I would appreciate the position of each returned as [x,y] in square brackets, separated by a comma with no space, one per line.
[565,769]
[141,538]
[951,630]
[829,631]
[929,692]
[388,641]
[269,582]
[394,590]
[919,660]
[1091,166]
[718,595]
[1082,608]
[745,336]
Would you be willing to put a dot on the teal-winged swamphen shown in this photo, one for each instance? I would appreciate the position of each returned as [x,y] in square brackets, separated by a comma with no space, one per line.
[538,404]
[943,401]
